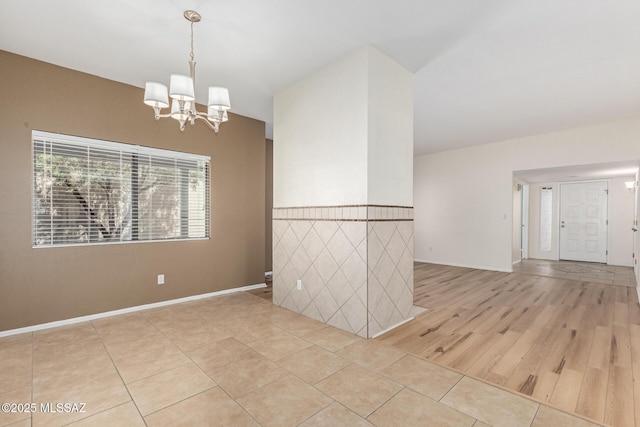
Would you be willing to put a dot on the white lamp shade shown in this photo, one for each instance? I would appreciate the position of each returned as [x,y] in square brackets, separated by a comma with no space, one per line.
[155,95]
[181,88]
[175,110]
[219,98]
[217,115]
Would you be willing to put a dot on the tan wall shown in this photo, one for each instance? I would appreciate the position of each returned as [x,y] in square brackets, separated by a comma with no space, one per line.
[48,284]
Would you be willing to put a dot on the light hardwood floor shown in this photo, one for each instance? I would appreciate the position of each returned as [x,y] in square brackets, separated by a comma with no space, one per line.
[580,271]
[572,344]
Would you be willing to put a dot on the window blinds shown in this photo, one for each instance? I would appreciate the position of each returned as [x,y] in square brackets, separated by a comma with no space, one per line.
[88,191]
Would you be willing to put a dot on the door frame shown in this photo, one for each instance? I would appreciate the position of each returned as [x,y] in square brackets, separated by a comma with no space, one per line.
[636,235]
[524,222]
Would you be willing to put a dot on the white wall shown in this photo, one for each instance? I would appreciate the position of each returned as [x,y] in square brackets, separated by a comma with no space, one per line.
[344,135]
[390,132]
[320,137]
[621,215]
[463,198]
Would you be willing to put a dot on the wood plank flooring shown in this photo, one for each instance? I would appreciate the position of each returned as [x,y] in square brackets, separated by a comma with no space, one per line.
[581,271]
[570,343]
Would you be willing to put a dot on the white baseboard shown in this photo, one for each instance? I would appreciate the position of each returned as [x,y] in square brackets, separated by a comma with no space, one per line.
[516,262]
[393,327]
[80,319]
[621,264]
[478,267]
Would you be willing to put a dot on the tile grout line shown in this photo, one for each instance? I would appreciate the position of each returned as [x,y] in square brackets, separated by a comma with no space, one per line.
[403,387]
[100,412]
[118,371]
[253,350]
[366,261]
[450,388]
[535,415]
[186,355]
[149,376]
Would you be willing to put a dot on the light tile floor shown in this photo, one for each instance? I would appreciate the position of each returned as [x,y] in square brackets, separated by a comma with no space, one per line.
[238,360]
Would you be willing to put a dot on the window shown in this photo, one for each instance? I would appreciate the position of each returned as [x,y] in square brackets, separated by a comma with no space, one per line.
[94,192]
[546,218]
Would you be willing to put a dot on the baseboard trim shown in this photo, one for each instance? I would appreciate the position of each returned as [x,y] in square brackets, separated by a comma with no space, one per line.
[622,264]
[477,267]
[393,327]
[89,317]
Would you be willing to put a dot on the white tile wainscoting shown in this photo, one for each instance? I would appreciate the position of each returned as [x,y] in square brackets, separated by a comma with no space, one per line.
[355,263]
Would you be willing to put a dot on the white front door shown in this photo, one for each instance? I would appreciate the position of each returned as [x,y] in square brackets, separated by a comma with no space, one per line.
[583,221]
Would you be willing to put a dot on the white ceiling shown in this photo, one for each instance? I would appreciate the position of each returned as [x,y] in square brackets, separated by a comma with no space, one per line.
[627,169]
[484,70]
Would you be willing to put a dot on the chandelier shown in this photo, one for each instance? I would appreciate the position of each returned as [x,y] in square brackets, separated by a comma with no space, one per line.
[182,93]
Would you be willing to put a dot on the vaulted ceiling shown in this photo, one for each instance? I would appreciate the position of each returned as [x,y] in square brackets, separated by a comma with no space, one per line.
[483,70]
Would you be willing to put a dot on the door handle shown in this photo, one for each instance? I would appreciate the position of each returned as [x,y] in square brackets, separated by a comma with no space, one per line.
[634,229]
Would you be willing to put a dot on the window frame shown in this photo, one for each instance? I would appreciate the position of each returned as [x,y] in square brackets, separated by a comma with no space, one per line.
[131,149]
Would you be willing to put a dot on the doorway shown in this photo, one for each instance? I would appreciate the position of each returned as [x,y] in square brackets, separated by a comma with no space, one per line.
[583,221]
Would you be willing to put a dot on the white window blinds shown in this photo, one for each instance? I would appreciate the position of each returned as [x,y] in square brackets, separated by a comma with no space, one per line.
[88,191]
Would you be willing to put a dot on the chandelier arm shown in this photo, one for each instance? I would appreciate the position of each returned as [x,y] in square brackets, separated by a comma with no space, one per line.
[214,126]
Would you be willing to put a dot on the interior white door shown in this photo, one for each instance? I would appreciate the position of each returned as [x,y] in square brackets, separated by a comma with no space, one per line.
[583,221]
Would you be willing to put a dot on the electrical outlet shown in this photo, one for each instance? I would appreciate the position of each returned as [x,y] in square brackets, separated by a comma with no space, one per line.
[160,279]
[299,284]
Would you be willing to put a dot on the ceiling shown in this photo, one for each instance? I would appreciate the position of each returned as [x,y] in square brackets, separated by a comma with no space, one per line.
[483,70]
[627,169]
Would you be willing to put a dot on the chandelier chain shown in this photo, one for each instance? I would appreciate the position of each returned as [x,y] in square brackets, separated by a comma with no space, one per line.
[192,56]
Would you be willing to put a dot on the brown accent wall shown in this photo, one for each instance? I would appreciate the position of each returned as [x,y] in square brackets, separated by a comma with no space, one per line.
[268,241]
[49,284]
